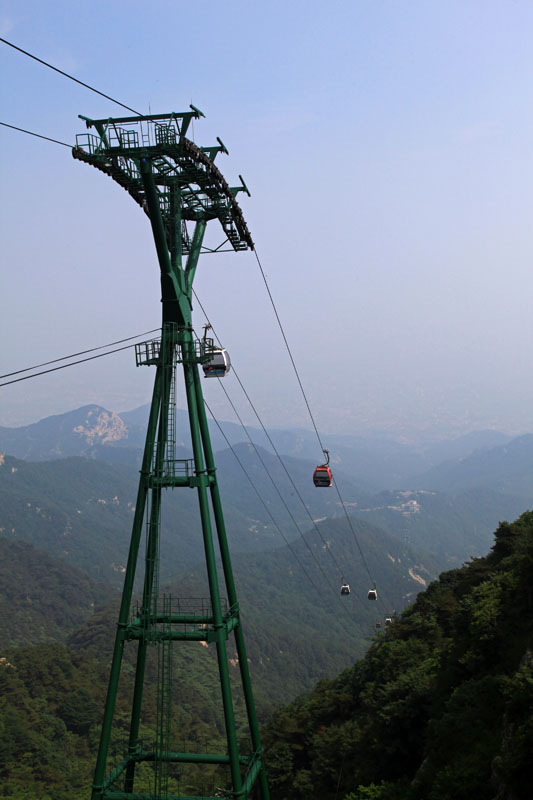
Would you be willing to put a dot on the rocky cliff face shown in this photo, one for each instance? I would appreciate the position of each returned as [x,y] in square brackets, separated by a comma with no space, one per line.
[82,432]
[101,427]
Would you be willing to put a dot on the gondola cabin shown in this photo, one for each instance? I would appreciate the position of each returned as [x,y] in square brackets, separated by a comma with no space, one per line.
[378,624]
[322,476]
[218,365]
[345,588]
[388,620]
[373,594]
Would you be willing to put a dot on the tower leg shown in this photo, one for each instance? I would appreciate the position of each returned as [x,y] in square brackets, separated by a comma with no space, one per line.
[146,609]
[230,584]
[127,591]
[193,401]
[149,603]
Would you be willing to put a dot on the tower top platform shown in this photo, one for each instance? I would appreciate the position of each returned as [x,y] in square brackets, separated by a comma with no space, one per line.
[188,183]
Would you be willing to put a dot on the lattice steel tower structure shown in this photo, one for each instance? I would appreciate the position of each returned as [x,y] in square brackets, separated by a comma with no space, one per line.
[180,189]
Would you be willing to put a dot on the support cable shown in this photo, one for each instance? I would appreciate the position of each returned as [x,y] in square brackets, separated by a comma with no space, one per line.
[256,490]
[64,366]
[310,412]
[296,525]
[38,135]
[289,351]
[274,448]
[81,353]
[283,500]
[66,75]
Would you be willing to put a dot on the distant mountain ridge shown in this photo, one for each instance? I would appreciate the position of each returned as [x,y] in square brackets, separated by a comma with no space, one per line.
[506,468]
[83,432]
[375,463]
[456,526]
[450,509]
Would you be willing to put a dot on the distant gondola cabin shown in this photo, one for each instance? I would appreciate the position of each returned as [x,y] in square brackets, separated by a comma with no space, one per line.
[218,365]
[322,476]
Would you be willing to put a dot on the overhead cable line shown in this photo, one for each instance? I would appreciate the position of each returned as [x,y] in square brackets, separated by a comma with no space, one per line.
[256,490]
[64,366]
[289,351]
[81,353]
[274,448]
[38,135]
[297,526]
[71,77]
[310,412]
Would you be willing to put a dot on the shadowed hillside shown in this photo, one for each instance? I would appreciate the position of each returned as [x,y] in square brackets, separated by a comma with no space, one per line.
[438,709]
[41,597]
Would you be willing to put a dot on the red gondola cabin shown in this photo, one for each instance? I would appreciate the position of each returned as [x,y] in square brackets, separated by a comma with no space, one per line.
[322,476]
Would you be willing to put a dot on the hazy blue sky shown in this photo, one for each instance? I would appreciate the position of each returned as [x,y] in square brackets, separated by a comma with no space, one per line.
[388,149]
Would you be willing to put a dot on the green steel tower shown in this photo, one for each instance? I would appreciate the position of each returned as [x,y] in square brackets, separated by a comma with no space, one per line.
[180,189]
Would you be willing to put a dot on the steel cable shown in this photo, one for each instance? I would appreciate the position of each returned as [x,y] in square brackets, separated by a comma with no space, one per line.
[38,135]
[66,75]
[274,448]
[81,353]
[311,413]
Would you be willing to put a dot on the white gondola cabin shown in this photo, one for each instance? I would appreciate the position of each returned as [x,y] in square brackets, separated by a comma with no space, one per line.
[218,365]
[345,588]
[373,594]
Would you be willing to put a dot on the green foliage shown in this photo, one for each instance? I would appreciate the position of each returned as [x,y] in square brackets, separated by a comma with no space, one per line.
[441,706]
[78,710]
[41,597]
[81,511]
[51,701]
[39,756]
[383,791]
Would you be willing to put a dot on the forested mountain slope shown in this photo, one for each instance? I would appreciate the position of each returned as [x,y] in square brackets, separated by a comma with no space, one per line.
[52,700]
[41,597]
[52,695]
[81,510]
[457,526]
[298,627]
[440,708]
[297,624]
[506,468]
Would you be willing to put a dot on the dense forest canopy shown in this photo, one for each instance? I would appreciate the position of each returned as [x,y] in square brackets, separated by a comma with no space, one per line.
[441,706]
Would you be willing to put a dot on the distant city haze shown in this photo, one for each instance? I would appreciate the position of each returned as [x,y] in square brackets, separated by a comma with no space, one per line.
[387,147]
